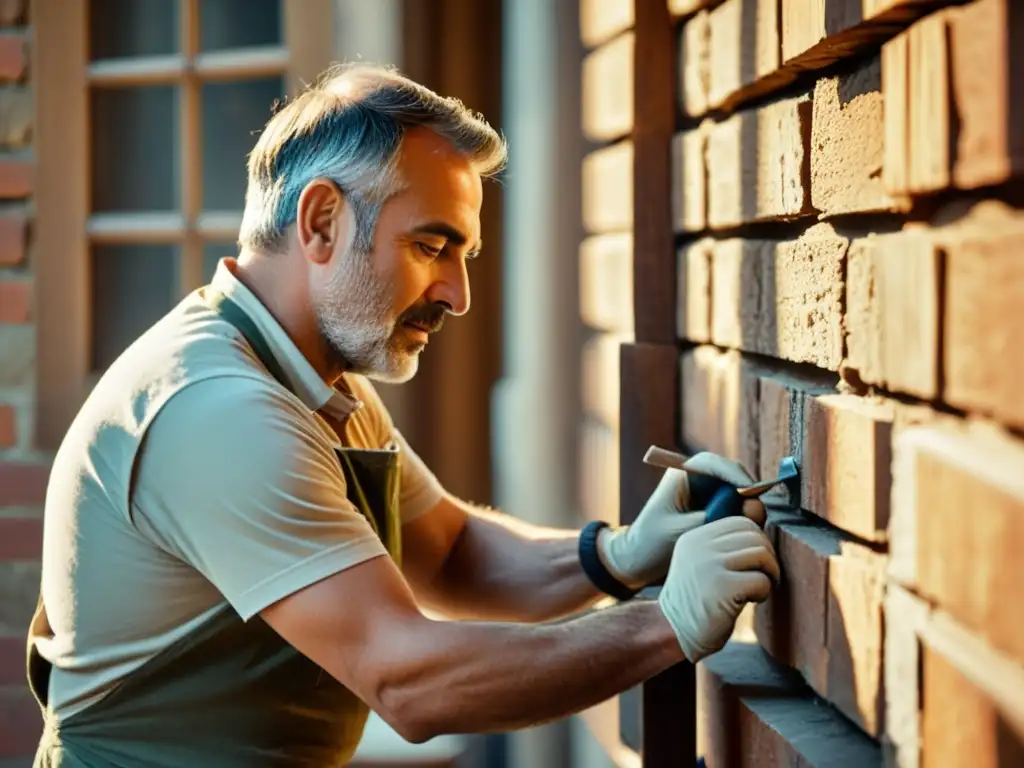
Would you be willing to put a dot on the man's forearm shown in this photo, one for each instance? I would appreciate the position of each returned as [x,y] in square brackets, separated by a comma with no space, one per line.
[506,570]
[467,677]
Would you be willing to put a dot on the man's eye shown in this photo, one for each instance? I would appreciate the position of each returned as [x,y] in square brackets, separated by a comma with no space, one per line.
[429,249]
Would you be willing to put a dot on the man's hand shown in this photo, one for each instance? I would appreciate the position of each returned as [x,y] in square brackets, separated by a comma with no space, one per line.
[639,554]
[715,571]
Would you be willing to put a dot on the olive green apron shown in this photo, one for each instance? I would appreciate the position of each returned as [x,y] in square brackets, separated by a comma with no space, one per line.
[231,693]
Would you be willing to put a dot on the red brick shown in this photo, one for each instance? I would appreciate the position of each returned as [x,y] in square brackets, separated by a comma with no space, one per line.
[988,91]
[12,240]
[600,373]
[693,287]
[21,538]
[606,282]
[21,723]
[695,65]
[973,701]
[745,46]
[689,181]
[719,404]
[846,466]
[601,20]
[929,160]
[607,84]
[983,321]
[608,189]
[15,301]
[905,617]
[752,713]
[896,112]
[892,319]
[792,624]
[8,426]
[23,484]
[13,58]
[16,177]
[737,267]
[761,167]
[847,133]
[957,526]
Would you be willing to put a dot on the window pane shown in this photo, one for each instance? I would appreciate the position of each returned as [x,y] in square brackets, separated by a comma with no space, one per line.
[233,116]
[135,149]
[214,252]
[132,287]
[238,23]
[119,28]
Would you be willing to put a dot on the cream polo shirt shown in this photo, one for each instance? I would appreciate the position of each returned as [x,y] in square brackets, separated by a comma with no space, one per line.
[190,479]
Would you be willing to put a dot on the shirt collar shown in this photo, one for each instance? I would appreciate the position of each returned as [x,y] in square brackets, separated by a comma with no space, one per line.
[303,380]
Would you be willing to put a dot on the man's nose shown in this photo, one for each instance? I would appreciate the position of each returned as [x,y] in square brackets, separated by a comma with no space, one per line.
[452,288]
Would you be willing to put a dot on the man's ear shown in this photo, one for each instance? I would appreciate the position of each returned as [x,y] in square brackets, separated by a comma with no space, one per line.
[318,220]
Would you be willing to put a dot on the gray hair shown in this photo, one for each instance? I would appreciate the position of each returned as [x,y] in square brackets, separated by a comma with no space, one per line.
[348,127]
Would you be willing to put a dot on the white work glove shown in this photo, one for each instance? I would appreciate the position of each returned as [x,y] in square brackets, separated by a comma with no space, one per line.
[639,554]
[715,571]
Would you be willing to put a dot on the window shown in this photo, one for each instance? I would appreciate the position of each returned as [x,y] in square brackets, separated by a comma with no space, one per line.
[143,126]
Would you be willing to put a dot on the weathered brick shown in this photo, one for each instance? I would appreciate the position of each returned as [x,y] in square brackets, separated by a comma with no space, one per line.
[929,113]
[607,84]
[983,321]
[753,713]
[892,315]
[15,117]
[761,167]
[12,239]
[689,181]
[18,352]
[695,65]
[21,538]
[13,57]
[972,703]
[802,297]
[896,114]
[19,592]
[21,724]
[719,397]
[745,46]
[606,282]
[599,362]
[957,526]
[8,426]
[23,484]
[847,134]
[792,624]
[15,301]
[854,636]
[846,468]
[905,617]
[988,91]
[601,20]
[608,189]
[825,618]
[693,289]
[737,266]
[16,176]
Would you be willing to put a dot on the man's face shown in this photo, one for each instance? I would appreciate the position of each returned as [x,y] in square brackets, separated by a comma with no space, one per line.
[376,310]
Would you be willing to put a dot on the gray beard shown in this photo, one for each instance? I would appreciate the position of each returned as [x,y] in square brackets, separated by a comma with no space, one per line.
[353,314]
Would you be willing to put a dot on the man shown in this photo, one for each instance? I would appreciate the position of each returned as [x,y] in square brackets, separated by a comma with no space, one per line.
[238,541]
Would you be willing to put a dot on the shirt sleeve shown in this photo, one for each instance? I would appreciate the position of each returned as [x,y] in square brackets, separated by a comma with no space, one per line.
[420,490]
[236,478]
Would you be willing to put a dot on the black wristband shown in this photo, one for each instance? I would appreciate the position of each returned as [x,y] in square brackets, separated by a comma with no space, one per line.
[594,568]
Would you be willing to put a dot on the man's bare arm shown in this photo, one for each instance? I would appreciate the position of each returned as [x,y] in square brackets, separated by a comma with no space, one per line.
[427,678]
[468,562]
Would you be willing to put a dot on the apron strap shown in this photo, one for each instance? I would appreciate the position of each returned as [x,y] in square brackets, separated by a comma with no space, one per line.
[233,314]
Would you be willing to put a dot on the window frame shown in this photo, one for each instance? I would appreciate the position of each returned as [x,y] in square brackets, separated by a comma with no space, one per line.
[64,229]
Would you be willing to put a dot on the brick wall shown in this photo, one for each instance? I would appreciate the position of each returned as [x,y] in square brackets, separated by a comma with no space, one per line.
[840,225]
[23,471]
